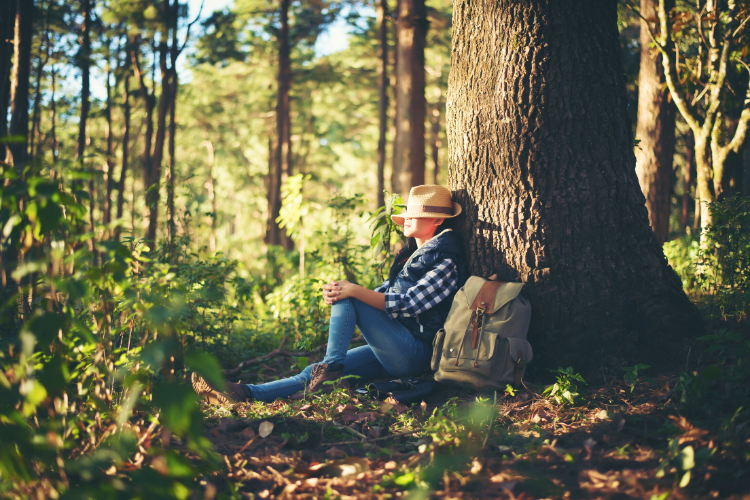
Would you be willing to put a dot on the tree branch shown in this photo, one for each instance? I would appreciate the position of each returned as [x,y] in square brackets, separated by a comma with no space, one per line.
[680,101]
[280,352]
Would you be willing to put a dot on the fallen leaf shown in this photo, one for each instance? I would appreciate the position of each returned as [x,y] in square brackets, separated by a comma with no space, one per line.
[385,406]
[401,408]
[312,481]
[111,471]
[390,465]
[602,415]
[535,419]
[231,425]
[248,433]
[374,431]
[306,407]
[265,429]
[335,453]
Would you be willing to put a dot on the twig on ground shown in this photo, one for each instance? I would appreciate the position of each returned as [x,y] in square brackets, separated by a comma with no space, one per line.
[280,352]
[347,428]
[398,434]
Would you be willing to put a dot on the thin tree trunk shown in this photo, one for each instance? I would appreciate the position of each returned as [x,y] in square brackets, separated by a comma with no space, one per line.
[435,139]
[687,179]
[125,150]
[409,147]
[53,118]
[110,152]
[152,193]
[7,21]
[171,226]
[211,195]
[541,160]
[19,91]
[655,130]
[149,103]
[38,94]
[382,15]
[746,173]
[281,163]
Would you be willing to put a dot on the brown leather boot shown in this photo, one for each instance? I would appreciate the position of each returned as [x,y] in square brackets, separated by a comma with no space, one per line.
[234,393]
[321,375]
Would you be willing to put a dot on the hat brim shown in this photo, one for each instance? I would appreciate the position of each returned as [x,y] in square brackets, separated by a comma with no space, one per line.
[399,219]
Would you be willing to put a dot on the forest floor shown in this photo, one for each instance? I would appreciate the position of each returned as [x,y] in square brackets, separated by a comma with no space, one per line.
[615,442]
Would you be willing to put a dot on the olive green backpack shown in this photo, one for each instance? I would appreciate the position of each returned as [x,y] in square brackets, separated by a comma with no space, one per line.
[483,342]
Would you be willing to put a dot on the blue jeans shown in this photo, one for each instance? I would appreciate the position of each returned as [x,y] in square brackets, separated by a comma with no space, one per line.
[391,350]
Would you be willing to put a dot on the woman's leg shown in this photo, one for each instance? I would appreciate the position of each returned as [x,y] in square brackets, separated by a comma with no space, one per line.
[400,353]
[391,342]
[360,362]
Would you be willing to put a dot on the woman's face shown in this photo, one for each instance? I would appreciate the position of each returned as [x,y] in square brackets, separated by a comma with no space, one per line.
[420,228]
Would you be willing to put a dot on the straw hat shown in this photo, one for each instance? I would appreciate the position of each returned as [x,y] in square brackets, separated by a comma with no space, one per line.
[430,201]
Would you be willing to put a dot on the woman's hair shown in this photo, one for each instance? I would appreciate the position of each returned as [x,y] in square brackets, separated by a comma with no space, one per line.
[411,246]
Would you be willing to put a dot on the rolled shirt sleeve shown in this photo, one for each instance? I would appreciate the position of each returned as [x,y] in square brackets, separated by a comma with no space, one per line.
[434,287]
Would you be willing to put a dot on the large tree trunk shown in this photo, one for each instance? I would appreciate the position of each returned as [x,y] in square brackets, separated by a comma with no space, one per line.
[281,153]
[19,92]
[7,20]
[656,128]
[149,103]
[541,159]
[408,146]
[382,14]
[435,139]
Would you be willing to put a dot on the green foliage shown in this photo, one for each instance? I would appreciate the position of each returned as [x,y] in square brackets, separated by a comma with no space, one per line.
[92,352]
[565,390]
[385,232]
[631,374]
[717,270]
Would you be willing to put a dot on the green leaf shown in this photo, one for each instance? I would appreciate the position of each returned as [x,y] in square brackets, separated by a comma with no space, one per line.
[206,366]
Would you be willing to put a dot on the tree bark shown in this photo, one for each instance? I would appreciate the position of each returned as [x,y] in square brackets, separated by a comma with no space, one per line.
[19,91]
[435,139]
[382,14]
[281,153]
[53,117]
[110,151]
[125,150]
[541,159]
[408,147]
[211,195]
[152,192]
[148,103]
[687,179]
[7,21]
[38,87]
[656,128]
[171,226]
[85,63]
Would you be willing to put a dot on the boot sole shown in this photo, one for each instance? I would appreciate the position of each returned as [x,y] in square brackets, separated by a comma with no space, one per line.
[209,394]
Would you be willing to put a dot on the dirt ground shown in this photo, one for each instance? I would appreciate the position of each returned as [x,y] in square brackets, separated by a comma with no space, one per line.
[614,443]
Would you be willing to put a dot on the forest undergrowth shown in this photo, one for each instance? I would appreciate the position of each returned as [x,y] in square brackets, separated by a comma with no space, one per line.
[99,338]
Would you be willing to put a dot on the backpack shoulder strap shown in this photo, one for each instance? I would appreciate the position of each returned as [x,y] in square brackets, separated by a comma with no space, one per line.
[484,303]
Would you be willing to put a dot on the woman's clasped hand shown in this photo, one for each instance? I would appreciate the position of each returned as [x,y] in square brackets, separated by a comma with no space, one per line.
[337,290]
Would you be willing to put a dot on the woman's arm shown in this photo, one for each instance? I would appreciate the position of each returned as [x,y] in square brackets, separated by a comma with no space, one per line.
[339,290]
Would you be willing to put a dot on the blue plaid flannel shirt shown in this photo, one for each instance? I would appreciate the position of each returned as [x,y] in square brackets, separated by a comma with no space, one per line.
[434,287]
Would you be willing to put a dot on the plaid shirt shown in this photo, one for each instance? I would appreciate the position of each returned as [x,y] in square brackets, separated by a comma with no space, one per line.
[434,287]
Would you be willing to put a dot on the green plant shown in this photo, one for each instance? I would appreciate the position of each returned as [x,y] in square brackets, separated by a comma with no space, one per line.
[385,231]
[565,390]
[631,374]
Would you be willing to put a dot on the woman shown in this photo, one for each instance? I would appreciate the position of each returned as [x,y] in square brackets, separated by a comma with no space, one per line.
[398,319]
